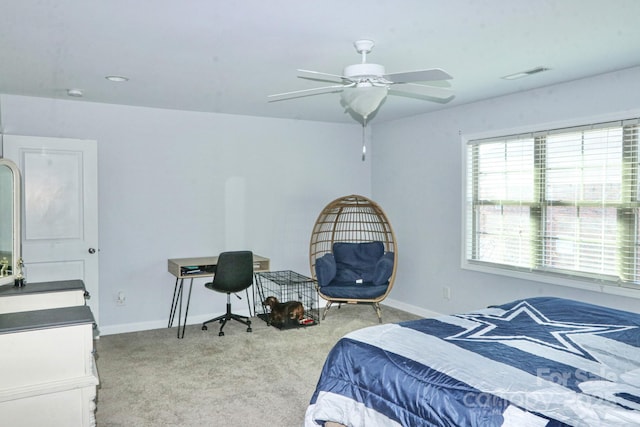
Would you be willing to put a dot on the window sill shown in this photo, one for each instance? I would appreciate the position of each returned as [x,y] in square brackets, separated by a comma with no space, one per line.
[578,283]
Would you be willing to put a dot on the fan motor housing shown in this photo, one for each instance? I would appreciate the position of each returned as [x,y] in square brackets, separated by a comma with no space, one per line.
[363,70]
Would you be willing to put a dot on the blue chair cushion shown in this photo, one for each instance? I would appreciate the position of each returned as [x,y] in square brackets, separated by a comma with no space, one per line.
[355,270]
[325,269]
[384,269]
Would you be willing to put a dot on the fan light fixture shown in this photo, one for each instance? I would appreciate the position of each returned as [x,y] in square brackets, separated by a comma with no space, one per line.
[364,99]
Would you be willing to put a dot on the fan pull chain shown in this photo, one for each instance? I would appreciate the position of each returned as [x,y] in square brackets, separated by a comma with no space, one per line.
[364,147]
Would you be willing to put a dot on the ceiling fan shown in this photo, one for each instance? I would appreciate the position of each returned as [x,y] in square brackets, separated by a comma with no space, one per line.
[364,86]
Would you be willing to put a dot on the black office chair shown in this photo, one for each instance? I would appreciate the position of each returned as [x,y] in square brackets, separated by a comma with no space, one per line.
[234,273]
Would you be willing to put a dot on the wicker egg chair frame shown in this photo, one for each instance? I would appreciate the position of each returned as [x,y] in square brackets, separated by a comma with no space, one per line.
[352,219]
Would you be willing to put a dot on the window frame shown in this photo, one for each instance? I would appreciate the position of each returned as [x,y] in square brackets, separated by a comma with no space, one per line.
[557,278]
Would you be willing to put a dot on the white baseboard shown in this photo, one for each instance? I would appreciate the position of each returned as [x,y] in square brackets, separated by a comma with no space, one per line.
[123,328]
[193,320]
[418,311]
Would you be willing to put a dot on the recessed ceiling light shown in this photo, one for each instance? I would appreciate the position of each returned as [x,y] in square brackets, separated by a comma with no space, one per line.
[522,74]
[77,93]
[117,79]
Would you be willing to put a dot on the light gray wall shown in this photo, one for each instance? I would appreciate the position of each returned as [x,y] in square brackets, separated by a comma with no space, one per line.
[417,178]
[163,175]
[181,184]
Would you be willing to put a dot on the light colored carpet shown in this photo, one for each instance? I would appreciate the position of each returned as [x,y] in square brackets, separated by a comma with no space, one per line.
[263,378]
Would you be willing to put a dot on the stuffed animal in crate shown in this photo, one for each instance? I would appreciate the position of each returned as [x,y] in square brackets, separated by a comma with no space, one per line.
[281,312]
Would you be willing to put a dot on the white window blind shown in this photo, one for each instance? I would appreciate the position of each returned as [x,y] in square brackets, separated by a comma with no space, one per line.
[558,202]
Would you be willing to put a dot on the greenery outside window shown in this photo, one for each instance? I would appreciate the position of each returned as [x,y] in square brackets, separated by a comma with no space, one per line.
[561,203]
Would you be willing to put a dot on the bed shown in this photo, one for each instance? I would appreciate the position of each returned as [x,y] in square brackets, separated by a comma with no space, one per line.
[534,362]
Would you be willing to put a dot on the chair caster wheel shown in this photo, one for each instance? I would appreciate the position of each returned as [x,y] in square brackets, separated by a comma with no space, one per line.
[220,334]
[204,327]
[249,330]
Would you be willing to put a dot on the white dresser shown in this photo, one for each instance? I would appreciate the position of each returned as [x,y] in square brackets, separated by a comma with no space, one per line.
[48,374]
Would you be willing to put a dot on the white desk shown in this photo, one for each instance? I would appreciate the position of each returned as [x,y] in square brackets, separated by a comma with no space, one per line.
[193,268]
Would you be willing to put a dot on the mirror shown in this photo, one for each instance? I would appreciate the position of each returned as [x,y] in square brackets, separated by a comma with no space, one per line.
[10,252]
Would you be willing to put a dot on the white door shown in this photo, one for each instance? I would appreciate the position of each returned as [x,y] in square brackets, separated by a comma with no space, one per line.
[60,209]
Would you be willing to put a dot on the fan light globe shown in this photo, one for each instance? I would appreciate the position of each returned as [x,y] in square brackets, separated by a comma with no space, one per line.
[364,99]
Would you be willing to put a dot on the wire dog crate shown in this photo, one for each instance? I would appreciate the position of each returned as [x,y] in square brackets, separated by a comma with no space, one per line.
[286,286]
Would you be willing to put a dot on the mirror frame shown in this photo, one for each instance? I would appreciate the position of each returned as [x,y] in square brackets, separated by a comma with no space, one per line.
[17,231]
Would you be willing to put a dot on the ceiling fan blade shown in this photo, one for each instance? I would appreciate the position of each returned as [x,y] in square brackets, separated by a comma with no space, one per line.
[317,79]
[319,73]
[306,92]
[422,90]
[418,76]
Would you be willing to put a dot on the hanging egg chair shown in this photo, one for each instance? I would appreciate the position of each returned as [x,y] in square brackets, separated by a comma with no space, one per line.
[353,253]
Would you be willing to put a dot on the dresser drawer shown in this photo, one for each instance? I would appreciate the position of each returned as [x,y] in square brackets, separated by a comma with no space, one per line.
[45,345]
[42,296]
[72,407]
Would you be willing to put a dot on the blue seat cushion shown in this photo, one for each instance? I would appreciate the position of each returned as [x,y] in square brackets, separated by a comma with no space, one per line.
[355,270]
[351,291]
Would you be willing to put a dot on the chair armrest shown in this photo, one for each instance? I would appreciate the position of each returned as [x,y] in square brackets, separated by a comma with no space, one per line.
[383,269]
[325,269]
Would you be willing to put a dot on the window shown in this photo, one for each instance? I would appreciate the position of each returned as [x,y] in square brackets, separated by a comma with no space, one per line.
[558,203]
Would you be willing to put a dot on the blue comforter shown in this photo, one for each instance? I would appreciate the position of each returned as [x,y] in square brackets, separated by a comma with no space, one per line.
[535,362]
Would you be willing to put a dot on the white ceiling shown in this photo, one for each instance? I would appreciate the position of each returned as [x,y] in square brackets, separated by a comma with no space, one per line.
[227,56]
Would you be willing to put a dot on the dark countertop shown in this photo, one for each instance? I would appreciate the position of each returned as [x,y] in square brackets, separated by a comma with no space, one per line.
[45,319]
[40,287]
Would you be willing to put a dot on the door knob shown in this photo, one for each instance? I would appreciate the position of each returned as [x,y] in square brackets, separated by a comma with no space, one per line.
[92,251]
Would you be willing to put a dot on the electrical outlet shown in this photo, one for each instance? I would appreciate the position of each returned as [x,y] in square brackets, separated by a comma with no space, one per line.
[446,292]
[121,299]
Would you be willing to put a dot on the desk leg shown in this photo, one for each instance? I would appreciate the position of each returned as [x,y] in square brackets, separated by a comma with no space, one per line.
[179,304]
[174,304]
[186,312]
